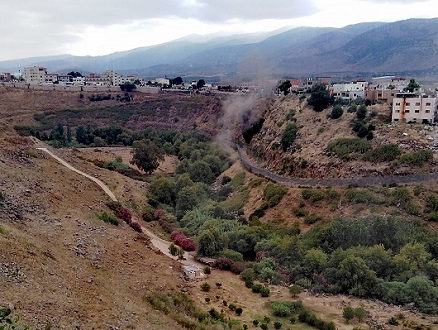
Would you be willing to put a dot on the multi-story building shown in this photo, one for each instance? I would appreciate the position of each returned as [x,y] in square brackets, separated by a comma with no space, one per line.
[413,107]
[50,78]
[35,75]
[350,91]
[5,76]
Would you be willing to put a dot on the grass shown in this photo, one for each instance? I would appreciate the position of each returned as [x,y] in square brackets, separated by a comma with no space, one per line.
[384,153]
[417,158]
[313,195]
[108,218]
[362,196]
[235,202]
[237,181]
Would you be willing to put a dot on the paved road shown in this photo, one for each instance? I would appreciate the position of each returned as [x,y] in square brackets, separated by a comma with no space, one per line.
[159,243]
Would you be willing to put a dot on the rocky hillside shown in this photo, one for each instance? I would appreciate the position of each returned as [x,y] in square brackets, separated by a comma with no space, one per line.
[309,156]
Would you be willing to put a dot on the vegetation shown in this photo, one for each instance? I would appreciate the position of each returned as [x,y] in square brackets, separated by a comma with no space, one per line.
[288,136]
[253,130]
[319,97]
[9,322]
[337,112]
[108,218]
[383,153]
[348,148]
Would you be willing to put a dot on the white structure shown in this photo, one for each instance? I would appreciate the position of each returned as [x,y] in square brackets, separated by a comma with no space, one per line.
[411,107]
[350,91]
[35,75]
[192,272]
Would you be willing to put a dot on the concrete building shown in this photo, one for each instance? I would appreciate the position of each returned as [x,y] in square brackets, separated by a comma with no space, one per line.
[35,75]
[412,107]
[350,91]
[50,78]
[192,272]
[5,76]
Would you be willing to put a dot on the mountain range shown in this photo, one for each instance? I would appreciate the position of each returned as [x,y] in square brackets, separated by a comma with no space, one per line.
[373,48]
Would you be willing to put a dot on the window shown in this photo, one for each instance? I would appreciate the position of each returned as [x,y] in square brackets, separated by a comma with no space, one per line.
[427,111]
[407,111]
[395,119]
[417,104]
[408,103]
[417,111]
[427,103]
[379,95]
[392,94]
[398,103]
[397,111]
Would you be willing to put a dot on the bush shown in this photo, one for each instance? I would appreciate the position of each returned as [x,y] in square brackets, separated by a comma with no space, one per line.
[239,311]
[277,325]
[225,179]
[417,158]
[205,287]
[312,218]
[345,148]
[281,309]
[384,153]
[108,218]
[288,136]
[207,270]
[273,194]
[313,195]
[183,241]
[256,288]
[362,196]
[147,217]
[337,112]
[136,226]
[125,215]
[265,292]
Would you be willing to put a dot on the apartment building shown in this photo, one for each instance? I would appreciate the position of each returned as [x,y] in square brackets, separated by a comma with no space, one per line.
[35,75]
[413,107]
[351,90]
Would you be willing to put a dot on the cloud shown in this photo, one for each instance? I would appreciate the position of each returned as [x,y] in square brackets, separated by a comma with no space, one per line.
[400,2]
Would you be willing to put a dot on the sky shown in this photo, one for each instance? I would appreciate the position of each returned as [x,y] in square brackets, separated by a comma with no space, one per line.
[98,27]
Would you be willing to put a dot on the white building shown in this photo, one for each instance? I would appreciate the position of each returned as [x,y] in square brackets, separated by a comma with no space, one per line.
[350,91]
[35,75]
[412,107]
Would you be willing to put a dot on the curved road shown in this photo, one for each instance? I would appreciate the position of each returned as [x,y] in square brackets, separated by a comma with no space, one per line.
[159,243]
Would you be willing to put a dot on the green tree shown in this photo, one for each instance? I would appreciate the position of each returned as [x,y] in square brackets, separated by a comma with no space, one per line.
[289,136]
[211,242]
[411,86]
[199,171]
[412,257]
[146,155]
[360,313]
[200,83]
[127,87]
[163,189]
[315,261]
[348,314]
[294,290]
[173,249]
[319,97]
[361,112]
[355,277]
[337,112]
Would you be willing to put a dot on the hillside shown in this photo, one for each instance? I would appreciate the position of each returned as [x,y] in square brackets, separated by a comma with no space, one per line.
[63,267]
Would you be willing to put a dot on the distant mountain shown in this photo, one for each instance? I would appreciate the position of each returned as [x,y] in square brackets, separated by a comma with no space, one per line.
[369,48]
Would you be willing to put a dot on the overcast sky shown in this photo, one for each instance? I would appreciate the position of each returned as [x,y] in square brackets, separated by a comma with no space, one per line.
[97,27]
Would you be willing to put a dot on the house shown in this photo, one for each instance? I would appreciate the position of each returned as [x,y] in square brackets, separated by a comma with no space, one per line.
[192,272]
[414,107]
[350,91]
[5,76]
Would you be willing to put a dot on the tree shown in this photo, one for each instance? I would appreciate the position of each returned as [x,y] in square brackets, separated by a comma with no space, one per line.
[361,112]
[200,83]
[348,314]
[294,290]
[319,97]
[173,249]
[285,87]
[211,242]
[360,313]
[146,155]
[336,112]
[74,74]
[355,277]
[127,87]
[412,86]
[177,81]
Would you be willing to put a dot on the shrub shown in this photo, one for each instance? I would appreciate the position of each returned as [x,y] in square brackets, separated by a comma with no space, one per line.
[205,287]
[256,288]
[136,226]
[239,311]
[183,241]
[384,153]
[277,325]
[158,214]
[345,148]
[393,321]
[125,215]
[348,313]
[417,158]
[207,270]
[288,136]
[255,323]
[313,195]
[337,112]
[108,218]
[207,300]
[147,217]
[232,307]
[360,313]
[362,196]
[225,179]
[281,309]
[265,292]
[312,218]
[300,212]
[273,194]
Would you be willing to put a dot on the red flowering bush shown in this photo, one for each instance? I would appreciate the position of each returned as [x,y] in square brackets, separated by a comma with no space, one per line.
[158,214]
[183,241]
[125,215]
[136,226]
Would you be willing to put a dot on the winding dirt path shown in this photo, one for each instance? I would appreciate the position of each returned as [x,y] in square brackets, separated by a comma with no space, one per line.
[159,243]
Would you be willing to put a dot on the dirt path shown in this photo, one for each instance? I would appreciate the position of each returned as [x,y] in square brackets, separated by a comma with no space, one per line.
[159,243]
